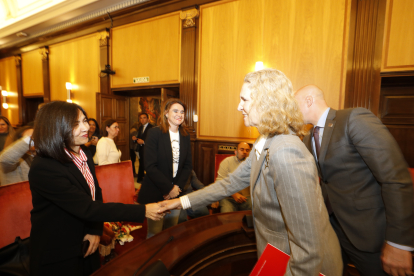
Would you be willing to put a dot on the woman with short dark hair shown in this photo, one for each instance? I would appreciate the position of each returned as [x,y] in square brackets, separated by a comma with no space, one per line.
[66,197]
[106,150]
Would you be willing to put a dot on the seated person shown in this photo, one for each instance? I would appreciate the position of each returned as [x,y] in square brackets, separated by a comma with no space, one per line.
[16,158]
[239,201]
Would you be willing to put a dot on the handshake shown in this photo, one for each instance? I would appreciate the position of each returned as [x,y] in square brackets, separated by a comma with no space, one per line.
[157,211]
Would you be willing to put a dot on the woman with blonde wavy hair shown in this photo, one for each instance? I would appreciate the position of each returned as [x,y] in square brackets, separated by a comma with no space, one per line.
[288,208]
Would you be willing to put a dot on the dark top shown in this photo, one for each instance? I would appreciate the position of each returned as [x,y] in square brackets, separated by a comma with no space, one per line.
[63,213]
[91,148]
[142,136]
[3,137]
[159,179]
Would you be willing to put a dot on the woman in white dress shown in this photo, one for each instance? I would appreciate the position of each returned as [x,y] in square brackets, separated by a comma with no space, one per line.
[106,150]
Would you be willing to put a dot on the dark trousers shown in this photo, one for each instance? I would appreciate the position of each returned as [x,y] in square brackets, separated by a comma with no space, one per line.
[141,167]
[133,157]
[367,263]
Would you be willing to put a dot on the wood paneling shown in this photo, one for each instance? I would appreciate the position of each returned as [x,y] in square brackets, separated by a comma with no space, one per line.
[398,51]
[46,74]
[397,109]
[105,79]
[403,135]
[364,62]
[149,48]
[304,39]
[188,83]
[21,101]
[76,61]
[205,152]
[32,74]
[8,82]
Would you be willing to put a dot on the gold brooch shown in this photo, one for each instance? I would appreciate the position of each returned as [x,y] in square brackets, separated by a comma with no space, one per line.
[267,159]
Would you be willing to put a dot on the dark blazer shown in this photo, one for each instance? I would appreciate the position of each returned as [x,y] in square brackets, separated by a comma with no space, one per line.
[366,178]
[63,213]
[143,136]
[159,167]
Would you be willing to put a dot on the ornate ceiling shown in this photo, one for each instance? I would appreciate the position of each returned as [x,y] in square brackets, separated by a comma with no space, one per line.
[40,17]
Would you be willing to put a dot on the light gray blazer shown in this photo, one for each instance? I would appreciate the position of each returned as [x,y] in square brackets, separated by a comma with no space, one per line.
[288,207]
[13,168]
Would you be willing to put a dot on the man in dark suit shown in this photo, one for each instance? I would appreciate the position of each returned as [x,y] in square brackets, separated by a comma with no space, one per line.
[365,183]
[142,135]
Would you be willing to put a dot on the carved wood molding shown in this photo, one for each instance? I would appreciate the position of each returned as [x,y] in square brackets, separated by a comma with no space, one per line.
[103,37]
[18,60]
[20,99]
[189,17]
[44,52]
[188,74]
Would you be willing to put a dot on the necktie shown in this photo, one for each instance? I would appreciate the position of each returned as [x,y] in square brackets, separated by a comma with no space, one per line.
[317,143]
[318,148]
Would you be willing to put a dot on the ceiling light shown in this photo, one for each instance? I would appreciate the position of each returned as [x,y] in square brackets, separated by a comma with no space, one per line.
[21,34]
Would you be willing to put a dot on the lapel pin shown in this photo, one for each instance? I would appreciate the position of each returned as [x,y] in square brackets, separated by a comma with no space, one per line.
[267,159]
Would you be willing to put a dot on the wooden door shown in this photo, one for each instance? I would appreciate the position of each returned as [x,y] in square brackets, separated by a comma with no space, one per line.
[115,107]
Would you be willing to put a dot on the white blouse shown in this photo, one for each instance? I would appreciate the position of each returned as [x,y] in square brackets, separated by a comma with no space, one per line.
[175,146]
[107,152]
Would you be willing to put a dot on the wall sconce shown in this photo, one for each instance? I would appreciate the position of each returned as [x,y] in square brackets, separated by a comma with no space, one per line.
[259,66]
[68,89]
[4,95]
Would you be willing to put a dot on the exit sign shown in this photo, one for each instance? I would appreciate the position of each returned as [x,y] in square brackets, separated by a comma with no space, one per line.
[140,80]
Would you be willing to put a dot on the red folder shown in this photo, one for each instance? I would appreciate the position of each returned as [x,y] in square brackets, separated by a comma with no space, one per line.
[273,262]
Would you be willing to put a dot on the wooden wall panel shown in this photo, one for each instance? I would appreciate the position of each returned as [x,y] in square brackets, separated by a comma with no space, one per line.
[149,48]
[304,39]
[398,54]
[76,61]
[204,158]
[365,49]
[8,82]
[396,109]
[32,74]
[403,135]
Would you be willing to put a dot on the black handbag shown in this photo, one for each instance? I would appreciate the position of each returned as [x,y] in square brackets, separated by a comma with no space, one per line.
[15,258]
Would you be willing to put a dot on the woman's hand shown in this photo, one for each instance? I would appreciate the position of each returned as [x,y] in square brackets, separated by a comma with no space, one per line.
[175,192]
[239,198]
[215,205]
[93,243]
[88,144]
[152,211]
[94,140]
[167,205]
